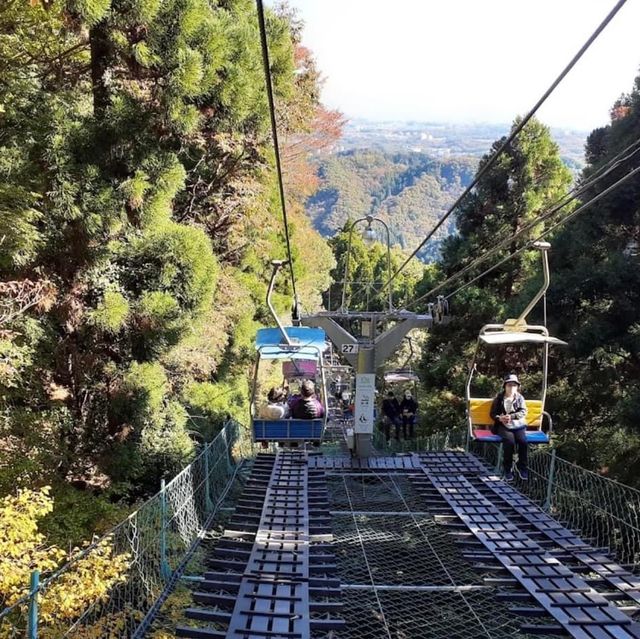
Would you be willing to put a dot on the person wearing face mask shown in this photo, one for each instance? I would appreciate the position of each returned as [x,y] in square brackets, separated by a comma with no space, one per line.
[508,412]
[408,410]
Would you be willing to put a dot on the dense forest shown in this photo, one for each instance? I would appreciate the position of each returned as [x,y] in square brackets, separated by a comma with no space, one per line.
[409,191]
[138,216]
[592,302]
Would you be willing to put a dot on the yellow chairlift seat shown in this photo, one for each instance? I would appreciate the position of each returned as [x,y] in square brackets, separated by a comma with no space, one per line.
[480,407]
[514,332]
[511,332]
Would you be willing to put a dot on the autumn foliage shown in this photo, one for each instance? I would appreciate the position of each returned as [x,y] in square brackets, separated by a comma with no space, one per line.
[23,549]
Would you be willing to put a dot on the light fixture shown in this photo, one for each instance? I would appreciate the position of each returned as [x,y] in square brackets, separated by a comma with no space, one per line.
[369,235]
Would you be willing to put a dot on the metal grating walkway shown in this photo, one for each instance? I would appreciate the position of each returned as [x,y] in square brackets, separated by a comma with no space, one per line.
[430,545]
[536,552]
[282,584]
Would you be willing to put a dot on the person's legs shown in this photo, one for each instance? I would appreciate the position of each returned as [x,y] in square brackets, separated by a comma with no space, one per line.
[508,444]
[397,424]
[405,421]
[521,441]
[386,427]
[412,423]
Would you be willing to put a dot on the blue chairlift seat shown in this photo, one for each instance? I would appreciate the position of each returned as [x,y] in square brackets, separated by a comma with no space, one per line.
[533,436]
[265,430]
[537,437]
[307,344]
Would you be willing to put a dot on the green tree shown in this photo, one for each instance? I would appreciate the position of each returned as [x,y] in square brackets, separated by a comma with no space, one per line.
[368,272]
[595,305]
[525,181]
[138,216]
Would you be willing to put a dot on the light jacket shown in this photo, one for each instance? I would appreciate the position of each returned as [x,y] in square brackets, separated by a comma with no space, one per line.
[518,413]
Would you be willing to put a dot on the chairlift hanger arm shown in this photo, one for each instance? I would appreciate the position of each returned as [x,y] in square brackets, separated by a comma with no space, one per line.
[277,265]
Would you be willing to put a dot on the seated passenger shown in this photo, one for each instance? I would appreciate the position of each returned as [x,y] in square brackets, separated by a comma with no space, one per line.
[390,415]
[409,408]
[277,407]
[508,412]
[306,405]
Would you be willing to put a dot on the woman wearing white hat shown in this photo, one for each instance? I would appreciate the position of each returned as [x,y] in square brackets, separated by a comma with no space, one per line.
[508,412]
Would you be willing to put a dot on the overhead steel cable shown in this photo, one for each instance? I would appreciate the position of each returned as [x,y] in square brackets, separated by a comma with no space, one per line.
[567,199]
[526,246]
[572,195]
[492,160]
[276,146]
[569,217]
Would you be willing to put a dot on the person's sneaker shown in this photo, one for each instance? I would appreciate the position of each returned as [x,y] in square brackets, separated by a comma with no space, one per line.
[508,476]
[523,473]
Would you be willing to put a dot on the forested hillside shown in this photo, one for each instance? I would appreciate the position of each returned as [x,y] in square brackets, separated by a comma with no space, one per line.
[138,215]
[409,191]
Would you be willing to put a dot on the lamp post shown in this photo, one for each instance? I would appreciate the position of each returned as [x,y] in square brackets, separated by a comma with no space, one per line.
[369,236]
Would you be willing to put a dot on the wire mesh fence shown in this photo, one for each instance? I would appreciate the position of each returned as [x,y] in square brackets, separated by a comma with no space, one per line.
[106,590]
[452,439]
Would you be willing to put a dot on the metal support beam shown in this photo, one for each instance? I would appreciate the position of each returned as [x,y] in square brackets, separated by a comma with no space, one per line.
[335,333]
[389,341]
[366,357]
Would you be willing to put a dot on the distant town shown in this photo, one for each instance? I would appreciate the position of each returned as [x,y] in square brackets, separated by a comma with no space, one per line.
[438,139]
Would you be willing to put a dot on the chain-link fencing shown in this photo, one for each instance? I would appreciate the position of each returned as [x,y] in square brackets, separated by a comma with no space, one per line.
[107,589]
[453,439]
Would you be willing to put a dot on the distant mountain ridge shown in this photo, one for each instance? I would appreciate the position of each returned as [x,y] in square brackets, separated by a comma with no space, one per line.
[442,139]
[409,174]
[409,191]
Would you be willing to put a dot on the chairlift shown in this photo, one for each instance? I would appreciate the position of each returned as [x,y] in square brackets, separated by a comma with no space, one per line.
[514,332]
[403,377]
[300,351]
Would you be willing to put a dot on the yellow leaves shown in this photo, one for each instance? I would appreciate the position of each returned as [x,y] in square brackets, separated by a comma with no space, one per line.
[57,393]
[22,548]
[87,581]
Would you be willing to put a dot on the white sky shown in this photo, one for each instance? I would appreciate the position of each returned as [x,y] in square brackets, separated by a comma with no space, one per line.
[471,60]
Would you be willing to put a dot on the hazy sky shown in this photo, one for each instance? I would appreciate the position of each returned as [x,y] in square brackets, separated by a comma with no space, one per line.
[471,60]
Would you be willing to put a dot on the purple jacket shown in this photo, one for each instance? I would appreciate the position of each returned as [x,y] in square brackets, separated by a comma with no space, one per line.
[306,407]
